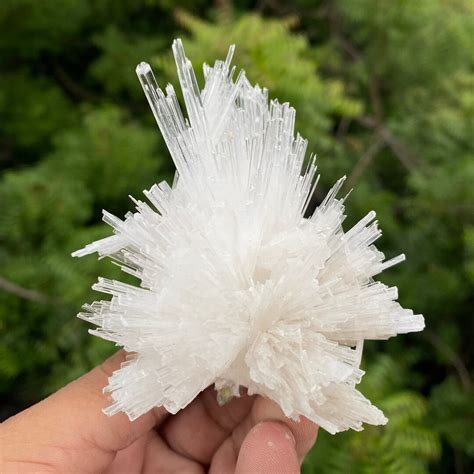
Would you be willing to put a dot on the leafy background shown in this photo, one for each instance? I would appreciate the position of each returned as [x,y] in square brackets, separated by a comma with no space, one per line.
[383,90]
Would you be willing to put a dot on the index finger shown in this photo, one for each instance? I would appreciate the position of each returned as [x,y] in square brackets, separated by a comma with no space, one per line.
[69,423]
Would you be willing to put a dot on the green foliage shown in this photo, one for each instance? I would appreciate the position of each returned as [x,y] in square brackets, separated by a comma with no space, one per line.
[384,90]
[32,109]
[30,28]
[453,414]
[119,51]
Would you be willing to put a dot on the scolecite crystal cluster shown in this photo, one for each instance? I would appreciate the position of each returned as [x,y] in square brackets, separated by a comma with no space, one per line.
[237,287]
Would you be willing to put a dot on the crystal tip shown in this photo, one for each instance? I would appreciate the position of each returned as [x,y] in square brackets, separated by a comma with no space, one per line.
[143,68]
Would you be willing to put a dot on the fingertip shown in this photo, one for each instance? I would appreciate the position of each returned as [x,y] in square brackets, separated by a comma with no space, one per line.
[304,431]
[270,446]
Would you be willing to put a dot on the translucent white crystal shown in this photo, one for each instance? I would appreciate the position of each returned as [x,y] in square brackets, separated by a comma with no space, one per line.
[237,288]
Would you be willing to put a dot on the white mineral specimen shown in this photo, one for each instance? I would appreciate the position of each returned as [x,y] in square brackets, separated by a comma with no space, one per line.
[237,287]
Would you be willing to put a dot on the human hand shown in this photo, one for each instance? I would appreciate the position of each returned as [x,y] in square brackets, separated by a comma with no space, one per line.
[67,432]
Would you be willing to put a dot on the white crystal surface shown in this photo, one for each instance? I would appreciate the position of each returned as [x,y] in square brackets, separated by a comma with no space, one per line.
[237,288]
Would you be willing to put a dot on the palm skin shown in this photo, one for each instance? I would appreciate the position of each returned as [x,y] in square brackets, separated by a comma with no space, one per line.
[67,432]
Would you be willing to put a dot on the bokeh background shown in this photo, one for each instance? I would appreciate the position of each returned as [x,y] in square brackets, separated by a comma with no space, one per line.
[384,92]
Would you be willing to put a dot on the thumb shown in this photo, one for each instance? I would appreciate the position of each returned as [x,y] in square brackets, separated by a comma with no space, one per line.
[269,448]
